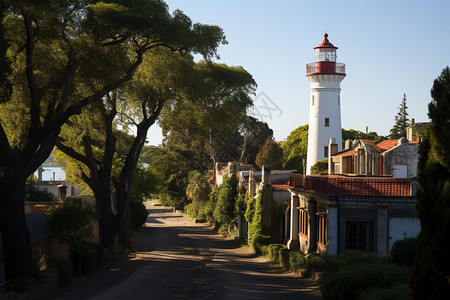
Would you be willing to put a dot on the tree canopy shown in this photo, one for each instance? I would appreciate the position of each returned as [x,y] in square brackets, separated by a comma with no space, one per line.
[432,263]
[270,154]
[63,56]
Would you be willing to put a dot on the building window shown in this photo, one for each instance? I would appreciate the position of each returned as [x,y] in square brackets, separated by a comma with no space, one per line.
[303,223]
[327,122]
[312,99]
[339,100]
[325,151]
[359,236]
[321,228]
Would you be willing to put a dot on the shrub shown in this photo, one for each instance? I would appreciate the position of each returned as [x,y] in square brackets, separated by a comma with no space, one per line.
[404,251]
[258,241]
[89,256]
[297,260]
[274,251]
[254,216]
[64,270]
[283,256]
[315,262]
[353,258]
[351,282]
[71,224]
[22,285]
[138,214]
[401,291]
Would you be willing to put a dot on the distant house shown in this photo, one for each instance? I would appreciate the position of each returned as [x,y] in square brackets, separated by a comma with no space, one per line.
[56,187]
[395,158]
[332,214]
[416,130]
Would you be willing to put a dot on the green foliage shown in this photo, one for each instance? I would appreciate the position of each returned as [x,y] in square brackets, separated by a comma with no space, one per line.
[295,148]
[320,167]
[253,216]
[72,223]
[138,213]
[89,257]
[22,285]
[401,121]
[270,154]
[284,258]
[259,243]
[274,252]
[224,211]
[241,204]
[64,271]
[400,291]
[203,126]
[315,262]
[431,265]
[198,193]
[404,251]
[297,260]
[353,281]
[353,134]
[34,194]
[255,134]
[351,258]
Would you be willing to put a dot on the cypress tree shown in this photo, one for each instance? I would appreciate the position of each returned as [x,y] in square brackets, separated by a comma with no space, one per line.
[431,270]
[401,121]
[225,212]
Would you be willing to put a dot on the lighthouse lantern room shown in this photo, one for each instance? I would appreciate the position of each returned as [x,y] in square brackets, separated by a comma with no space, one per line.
[325,76]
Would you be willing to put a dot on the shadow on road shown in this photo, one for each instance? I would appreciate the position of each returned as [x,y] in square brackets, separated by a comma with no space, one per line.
[173,257]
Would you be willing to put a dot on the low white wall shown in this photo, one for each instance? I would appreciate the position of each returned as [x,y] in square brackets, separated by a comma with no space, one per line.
[399,228]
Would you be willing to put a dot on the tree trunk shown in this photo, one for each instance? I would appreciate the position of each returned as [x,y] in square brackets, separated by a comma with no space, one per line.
[14,229]
[123,213]
[105,214]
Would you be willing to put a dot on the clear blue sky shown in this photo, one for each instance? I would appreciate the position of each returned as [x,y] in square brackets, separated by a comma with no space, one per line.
[389,47]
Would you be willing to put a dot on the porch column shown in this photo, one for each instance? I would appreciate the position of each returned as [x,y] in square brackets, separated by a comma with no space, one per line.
[312,226]
[382,231]
[332,230]
[293,243]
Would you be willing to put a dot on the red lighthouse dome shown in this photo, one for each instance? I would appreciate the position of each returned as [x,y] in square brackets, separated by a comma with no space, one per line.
[325,60]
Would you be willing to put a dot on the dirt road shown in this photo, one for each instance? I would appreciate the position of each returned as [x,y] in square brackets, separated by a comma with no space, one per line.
[175,258]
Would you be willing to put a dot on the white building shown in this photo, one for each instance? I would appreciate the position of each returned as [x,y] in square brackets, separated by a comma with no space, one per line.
[325,75]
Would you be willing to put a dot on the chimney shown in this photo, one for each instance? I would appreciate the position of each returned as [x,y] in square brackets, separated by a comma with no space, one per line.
[40,171]
[266,175]
[348,144]
[53,176]
[251,184]
[332,150]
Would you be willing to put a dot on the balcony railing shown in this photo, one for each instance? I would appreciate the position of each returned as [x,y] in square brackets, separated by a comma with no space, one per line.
[352,186]
[325,67]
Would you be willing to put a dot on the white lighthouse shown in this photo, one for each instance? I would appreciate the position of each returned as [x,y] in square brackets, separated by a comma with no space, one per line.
[325,75]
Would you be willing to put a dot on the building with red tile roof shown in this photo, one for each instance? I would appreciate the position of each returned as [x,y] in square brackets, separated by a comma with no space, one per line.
[394,158]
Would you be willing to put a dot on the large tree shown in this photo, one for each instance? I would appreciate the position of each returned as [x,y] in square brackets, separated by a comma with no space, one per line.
[295,148]
[401,121]
[204,124]
[64,56]
[270,154]
[432,263]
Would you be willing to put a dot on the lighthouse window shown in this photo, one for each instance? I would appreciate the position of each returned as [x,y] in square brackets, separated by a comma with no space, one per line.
[339,100]
[327,122]
[325,151]
[312,99]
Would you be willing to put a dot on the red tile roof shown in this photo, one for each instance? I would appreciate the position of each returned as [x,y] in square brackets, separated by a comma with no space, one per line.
[281,187]
[387,144]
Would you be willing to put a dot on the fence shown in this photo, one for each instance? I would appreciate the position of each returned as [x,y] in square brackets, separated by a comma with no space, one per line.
[352,186]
